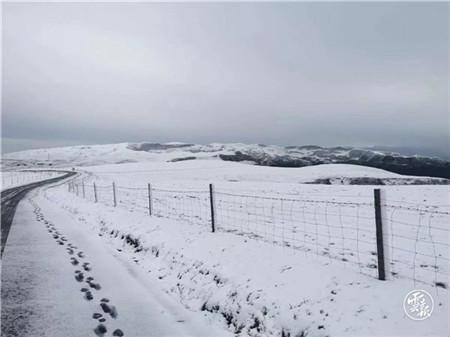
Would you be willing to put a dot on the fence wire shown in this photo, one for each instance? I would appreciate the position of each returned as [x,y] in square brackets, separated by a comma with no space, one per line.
[416,236]
[16,178]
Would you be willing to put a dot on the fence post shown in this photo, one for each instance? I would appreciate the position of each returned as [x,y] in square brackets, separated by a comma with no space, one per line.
[211,201]
[379,228]
[76,189]
[82,185]
[149,199]
[68,186]
[114,194]
[95,193]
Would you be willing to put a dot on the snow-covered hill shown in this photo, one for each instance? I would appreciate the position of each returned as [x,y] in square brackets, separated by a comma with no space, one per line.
[257,154]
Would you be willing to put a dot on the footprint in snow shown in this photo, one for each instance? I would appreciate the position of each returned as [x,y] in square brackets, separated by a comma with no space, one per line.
[74,261]
[109,309]
[93,285]
[100,330]
[88,295]
[79,276]
[118,333]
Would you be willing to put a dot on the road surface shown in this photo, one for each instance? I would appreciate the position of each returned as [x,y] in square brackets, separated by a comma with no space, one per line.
[11,197]
[60,280]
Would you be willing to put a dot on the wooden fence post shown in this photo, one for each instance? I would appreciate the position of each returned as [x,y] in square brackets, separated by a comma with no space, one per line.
[114,194]
[150,210]
[379,228]
[95,193]
[211,201]
[82,185]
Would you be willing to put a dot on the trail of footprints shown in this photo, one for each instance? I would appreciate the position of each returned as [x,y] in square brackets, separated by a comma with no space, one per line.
[81,275]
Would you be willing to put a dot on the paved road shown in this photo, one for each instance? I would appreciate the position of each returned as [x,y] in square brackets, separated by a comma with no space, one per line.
[12,196]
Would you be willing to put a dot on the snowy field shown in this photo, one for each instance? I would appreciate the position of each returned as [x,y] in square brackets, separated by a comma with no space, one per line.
[288,258]
[328,220]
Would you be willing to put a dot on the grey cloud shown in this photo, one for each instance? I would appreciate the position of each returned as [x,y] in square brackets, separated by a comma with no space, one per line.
[287,73]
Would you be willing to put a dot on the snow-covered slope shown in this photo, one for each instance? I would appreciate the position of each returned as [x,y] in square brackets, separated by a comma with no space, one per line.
[260,155]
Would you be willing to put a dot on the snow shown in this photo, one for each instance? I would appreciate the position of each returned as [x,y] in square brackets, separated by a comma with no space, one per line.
[91,155]
[261,288]
[42,297]
[199,173]
[158,154]
[19,178]
[258,274]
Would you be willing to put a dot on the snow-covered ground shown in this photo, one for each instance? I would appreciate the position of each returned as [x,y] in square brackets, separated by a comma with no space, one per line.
[255,287]
[18,178]
[265,155]
[288,258]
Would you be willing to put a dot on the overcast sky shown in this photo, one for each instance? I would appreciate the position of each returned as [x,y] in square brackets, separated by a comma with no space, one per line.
[287,73]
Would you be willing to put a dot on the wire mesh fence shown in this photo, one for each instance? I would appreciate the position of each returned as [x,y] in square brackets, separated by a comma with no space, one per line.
[328,228]
[16,178]
[415,237]
[417,243]
[188,205]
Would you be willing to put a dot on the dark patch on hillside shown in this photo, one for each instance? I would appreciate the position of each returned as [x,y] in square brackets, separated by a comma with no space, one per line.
[380,181]
[181,159]
[416,166]
[156,146]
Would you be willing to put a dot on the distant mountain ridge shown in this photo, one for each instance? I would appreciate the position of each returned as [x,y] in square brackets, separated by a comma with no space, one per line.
[257,154]
[307,155]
